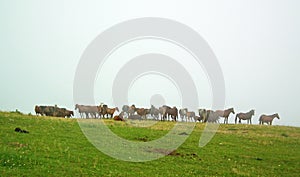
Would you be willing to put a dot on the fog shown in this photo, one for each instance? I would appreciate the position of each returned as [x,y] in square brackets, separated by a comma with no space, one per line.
[256,43]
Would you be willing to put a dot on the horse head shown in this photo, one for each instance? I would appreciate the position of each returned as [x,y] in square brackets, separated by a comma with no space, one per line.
[152,107]
[232,110]
[276,115]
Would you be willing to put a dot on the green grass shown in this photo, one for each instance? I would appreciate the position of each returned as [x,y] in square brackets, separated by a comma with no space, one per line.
[57,147]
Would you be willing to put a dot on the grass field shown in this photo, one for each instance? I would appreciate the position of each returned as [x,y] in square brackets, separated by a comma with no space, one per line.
[57,147]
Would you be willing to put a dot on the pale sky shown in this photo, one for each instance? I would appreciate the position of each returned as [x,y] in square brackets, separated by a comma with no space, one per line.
[256,43]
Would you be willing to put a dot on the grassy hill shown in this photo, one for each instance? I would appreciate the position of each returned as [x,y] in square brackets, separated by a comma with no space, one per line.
[57,147]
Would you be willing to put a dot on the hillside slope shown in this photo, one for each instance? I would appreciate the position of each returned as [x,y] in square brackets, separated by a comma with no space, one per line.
[57,147]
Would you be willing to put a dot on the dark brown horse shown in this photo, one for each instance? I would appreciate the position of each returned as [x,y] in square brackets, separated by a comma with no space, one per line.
[102,110]
[267,118]
[245,116]
[203,114]
[168,111]
[173,112]
[225,114]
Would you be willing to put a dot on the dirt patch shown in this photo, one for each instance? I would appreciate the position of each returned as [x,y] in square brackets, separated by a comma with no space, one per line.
[168,152]
[17,144]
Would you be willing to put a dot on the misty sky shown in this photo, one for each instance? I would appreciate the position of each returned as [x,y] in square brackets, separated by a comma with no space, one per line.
[256,42]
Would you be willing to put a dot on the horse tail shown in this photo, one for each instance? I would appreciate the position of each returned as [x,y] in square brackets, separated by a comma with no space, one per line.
[260,119]
[236,117]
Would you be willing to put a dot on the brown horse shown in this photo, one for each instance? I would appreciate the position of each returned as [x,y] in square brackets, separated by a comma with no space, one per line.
[225,114]
[164,109]
[102,110]
[267,118]
[111,111]
[142,112]
[119,117]
[245,116]
[168,111]
[190,116]
[173,112]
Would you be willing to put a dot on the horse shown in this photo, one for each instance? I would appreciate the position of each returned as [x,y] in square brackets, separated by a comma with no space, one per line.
[62,112]
[225,114]
[38,110]
[111,111]
[161,112]
[68,113]
[190,115]
[245,116]
[154,112]
[142,112]
[267,118]
[125,109]
[131,110]
[93,110]
[173,112]
[182,113]
[164,109]
[203,114]
[212,116]
[102,110]
[81,110]
[119,117]
[198,118]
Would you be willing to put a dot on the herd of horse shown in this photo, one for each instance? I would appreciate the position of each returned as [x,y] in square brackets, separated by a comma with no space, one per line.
[53,111]
[165,112]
